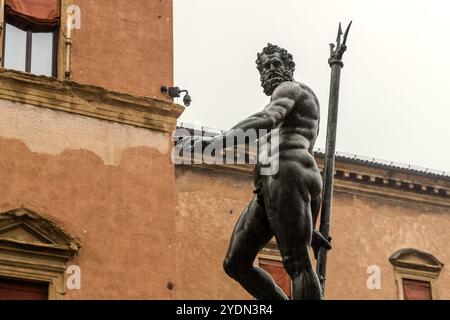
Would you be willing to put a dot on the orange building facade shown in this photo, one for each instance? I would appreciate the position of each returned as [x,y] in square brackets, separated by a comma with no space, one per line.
[87,181]
[388,227]
[93,207]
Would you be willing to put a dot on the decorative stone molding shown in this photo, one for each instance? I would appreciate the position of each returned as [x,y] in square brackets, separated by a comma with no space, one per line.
[35,249]
[359,176]
[416,260]
[366,180]
[88,100]
[417,265]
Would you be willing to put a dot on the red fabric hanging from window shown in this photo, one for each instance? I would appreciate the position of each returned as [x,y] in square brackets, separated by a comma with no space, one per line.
[38,15]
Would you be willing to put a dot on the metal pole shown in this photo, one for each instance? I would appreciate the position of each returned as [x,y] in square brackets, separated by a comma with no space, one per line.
[336,65]
[68,71]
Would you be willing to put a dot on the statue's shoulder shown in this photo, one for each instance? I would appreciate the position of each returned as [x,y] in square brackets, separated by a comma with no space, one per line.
[304,87]
[288,89]
[295,90]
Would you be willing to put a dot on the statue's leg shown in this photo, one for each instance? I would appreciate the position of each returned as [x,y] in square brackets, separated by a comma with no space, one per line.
[251,233]
[289,212]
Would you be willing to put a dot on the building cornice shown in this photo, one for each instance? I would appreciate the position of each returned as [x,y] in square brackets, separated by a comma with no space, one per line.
[366,180]
[88,100]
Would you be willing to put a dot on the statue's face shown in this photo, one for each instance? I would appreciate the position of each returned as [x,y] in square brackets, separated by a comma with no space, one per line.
[273,72]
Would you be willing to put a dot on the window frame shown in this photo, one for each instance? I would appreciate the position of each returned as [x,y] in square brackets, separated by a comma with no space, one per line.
[270,252]
[29,48]
[417,265]
[36,261]
[22,271]
[59,41]
[408,274]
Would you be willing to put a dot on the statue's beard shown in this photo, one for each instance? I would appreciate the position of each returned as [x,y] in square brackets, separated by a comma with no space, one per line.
[272,80]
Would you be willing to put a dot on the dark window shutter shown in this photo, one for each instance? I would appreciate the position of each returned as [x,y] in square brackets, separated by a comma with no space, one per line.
[21,290]
[416,290]
[278,273]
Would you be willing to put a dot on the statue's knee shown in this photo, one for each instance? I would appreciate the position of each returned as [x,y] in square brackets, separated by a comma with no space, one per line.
[234,269]
[295,265]
[230,268]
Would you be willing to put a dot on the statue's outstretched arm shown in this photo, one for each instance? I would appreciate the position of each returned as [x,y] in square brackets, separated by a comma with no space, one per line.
[283,100]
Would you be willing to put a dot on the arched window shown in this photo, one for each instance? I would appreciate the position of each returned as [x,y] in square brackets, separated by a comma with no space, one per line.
[34,253]
[416,273]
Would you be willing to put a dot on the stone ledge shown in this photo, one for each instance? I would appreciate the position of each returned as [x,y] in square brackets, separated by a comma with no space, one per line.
[88,100]
[361,180]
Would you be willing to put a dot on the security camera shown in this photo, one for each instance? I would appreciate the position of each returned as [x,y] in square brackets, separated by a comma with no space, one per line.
[174,92]
[187,99]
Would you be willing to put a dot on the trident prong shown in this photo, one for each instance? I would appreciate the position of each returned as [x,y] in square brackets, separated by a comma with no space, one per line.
[337,51]
[339,36]
[346,33]
[331,49]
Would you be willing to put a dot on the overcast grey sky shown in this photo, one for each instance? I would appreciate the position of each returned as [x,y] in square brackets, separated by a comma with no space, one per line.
[395,96]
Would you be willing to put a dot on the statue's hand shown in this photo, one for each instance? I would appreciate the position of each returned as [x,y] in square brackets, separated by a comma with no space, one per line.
[318,241]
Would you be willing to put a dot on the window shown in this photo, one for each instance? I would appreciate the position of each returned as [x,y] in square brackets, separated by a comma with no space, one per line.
[30,40]
[29,51]
[269,259]
[416,274]
[280,276]
[22,290]
[416,289]
[34,253]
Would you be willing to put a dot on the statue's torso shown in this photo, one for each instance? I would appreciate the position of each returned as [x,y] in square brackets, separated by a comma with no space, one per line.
[297,133]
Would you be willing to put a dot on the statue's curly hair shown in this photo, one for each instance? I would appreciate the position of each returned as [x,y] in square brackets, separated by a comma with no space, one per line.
[285,56]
